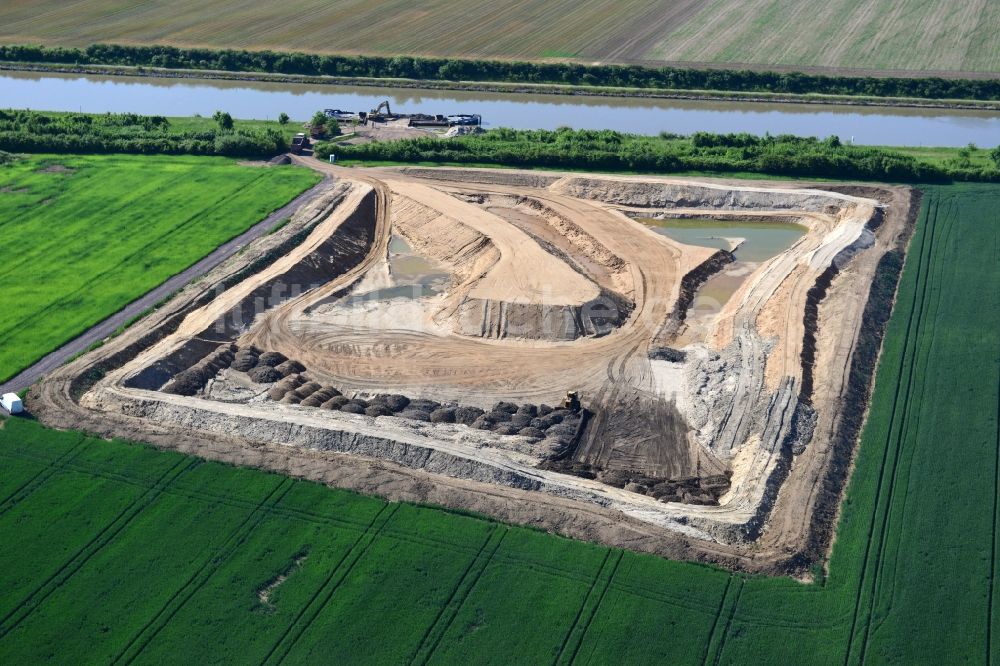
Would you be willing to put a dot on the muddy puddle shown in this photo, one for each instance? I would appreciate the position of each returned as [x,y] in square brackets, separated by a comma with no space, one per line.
[751,243]
[413,276]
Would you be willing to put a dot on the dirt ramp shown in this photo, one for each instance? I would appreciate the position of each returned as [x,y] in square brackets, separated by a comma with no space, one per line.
[499,320]
[341,251]
[636,432]
[484,176]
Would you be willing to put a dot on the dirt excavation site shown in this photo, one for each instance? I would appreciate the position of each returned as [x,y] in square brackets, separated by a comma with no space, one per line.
[669,365]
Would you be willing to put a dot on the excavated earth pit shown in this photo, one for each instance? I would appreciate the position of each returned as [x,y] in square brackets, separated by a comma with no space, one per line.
[751,241]
[415,332]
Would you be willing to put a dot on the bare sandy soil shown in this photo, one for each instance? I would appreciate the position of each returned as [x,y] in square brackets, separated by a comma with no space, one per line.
[710,442]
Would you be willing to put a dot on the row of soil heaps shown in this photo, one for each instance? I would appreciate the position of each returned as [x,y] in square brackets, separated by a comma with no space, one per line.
[703,490]
[554,428]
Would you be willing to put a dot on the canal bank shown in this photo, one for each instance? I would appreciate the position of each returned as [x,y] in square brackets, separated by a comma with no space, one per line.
[506,87]
[887,126]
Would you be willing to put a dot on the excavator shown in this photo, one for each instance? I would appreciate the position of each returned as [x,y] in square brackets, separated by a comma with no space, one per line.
[376,115]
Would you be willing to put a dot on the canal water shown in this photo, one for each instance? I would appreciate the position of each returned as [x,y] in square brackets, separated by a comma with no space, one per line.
[185,97]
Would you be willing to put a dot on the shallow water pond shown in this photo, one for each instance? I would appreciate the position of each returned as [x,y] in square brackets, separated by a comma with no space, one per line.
[413,272]
[413,277]
[754,243]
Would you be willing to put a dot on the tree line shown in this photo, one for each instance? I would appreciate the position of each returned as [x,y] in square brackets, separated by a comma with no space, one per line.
[565,148]
[38,132]
[453,69]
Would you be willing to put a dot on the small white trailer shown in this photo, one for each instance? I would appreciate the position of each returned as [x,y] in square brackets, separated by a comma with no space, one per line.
[11,403]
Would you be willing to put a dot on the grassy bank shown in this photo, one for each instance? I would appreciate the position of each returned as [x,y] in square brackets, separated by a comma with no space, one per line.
[509,88]
[40,132]
[85,235]
[224,564]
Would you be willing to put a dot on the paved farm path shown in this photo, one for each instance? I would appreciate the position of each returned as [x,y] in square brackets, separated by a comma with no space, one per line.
[99,331]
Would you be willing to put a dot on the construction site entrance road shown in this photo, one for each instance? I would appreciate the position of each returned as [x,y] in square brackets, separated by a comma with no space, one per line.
[886,126]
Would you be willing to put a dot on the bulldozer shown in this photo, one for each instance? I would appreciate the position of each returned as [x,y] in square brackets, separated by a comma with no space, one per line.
[571,401]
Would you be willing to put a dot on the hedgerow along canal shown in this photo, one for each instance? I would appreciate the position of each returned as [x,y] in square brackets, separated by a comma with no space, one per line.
[885,126]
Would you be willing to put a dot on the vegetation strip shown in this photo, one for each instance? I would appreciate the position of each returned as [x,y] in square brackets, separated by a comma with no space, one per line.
[40,132]
[607,150]
[40,478]
[991,587]
[730,613]
[576,634]
[453,69]
[908,426]
[862,612]
[714,636]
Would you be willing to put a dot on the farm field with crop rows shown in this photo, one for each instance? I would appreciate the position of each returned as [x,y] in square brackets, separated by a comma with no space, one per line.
[120,552]
[913,35]
[85,235]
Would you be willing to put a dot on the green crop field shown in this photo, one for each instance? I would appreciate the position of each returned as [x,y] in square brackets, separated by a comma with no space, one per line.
[115,552]
[916,35]
[85,235]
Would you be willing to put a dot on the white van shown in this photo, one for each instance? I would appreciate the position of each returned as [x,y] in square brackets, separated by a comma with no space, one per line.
[11,403]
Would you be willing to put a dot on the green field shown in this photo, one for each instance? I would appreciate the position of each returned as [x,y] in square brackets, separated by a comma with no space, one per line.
[117,552]
[914,35]
[85,235]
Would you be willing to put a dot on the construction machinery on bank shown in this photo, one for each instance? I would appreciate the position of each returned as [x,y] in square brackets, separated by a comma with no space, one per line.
[383,114]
